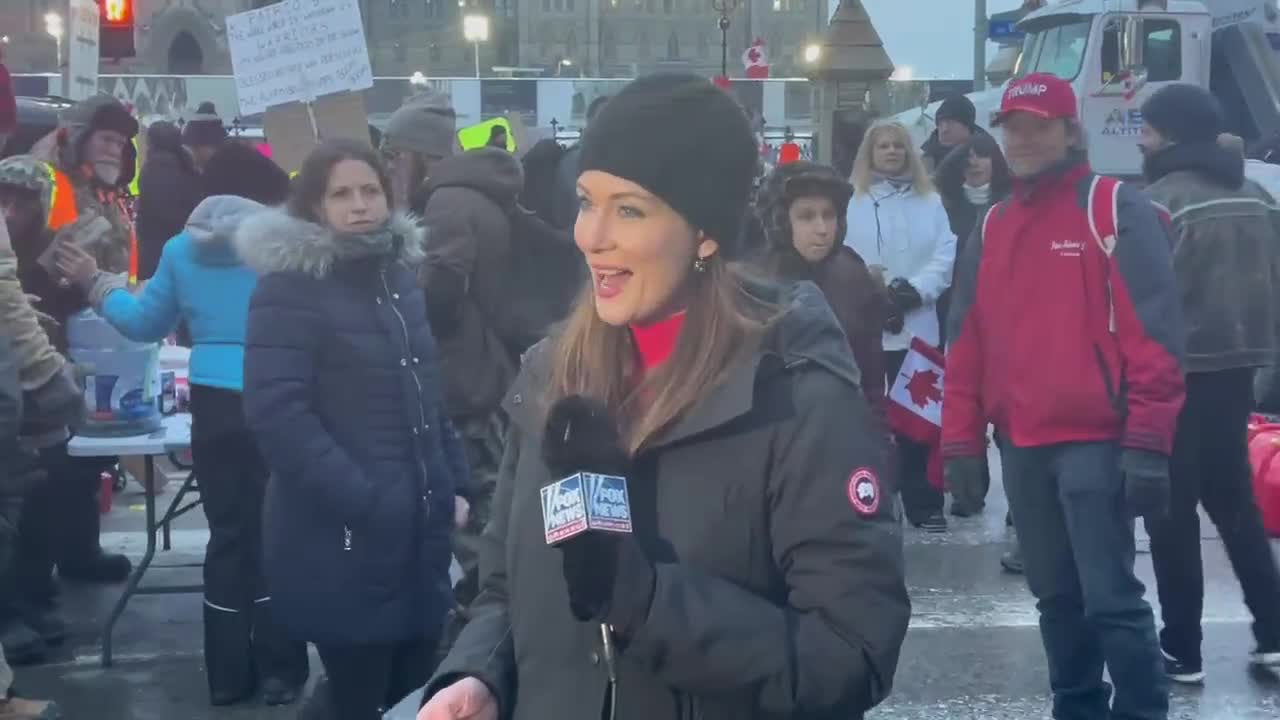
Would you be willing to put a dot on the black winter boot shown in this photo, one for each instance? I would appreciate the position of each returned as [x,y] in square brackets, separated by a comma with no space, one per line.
[281,661]
[22,645]
[228,655]
[79,554]
[47,622]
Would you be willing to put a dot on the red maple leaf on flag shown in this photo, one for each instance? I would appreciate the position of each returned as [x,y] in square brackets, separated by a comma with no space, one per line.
[923,388]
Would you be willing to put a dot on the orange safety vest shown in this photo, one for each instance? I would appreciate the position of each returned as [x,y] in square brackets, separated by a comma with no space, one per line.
[63,212]
[62,202]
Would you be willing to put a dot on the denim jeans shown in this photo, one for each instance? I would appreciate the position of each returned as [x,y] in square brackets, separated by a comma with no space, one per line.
[1078,548]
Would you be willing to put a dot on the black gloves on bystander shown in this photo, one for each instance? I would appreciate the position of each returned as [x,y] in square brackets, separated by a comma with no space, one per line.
[904,296]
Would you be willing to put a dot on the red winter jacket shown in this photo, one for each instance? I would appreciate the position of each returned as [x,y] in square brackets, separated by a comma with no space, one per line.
[1054,339]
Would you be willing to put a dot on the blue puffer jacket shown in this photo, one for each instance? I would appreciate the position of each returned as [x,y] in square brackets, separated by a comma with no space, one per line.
[200,279]
[342,392]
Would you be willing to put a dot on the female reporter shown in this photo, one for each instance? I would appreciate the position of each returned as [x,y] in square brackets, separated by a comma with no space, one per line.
[341,392]
[764,575]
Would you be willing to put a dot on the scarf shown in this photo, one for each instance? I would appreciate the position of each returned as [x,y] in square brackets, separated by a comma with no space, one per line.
[375,243]
[978,196]
[899,182]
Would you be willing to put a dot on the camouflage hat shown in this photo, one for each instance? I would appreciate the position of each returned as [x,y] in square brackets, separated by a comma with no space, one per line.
[28,173]
[78,122]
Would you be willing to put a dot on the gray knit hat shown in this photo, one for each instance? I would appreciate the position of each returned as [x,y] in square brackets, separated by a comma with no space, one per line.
[426,124]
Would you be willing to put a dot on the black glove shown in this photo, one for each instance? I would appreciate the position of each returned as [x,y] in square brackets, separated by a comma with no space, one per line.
[894,320]
[904,296]
[964,480]
[608,577]
[1146,482]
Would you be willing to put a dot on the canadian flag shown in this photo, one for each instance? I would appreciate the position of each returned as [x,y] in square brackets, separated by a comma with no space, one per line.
[915,402]
[755,60]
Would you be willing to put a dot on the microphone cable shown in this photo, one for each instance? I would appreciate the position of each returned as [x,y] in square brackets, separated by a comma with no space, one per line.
[610,661]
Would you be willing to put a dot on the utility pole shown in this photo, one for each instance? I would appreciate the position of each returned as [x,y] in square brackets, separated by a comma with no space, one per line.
[979,45]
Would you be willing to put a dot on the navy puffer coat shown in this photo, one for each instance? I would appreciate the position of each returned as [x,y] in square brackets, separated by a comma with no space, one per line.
[342,392]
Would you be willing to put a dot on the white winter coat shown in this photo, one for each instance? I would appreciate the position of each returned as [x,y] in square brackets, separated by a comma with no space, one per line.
[912,240]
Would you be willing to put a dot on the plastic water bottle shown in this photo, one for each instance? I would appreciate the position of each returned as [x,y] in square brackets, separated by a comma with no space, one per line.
[121,378]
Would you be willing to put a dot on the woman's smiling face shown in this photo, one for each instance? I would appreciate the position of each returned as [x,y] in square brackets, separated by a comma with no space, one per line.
[641,252]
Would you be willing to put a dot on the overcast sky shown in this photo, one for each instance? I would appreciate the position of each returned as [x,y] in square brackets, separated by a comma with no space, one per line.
[933,37]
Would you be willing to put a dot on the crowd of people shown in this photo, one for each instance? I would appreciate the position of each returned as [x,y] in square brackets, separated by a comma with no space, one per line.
[375,390]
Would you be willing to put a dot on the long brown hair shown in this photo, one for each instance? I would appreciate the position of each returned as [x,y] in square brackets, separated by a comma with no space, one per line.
[724,322]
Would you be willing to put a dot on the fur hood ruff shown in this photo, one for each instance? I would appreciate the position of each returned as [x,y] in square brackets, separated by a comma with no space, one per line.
[274,241]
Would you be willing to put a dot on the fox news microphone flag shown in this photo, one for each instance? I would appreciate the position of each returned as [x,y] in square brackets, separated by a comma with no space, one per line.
[915,402]
[582,502]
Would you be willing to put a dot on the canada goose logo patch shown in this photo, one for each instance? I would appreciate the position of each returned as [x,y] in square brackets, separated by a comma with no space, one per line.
[864,492]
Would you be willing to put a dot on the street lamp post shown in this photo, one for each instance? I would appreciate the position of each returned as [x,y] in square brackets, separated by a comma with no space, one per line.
[53,26]
[475,28]
[725,8]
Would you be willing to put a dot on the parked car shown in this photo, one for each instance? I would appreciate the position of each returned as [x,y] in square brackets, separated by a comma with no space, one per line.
[37,117]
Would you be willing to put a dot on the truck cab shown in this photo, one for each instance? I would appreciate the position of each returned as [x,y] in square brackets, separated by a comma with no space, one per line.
[1116,53]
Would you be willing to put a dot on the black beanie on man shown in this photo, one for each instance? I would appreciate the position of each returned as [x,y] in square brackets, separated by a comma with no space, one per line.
[686,141]
[204,128]
[958,108]
[1184,113]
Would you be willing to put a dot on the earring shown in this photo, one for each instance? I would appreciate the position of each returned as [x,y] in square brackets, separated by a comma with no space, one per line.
[700,265]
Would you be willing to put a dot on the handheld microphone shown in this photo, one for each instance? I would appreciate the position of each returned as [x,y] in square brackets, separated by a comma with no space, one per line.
[587,509]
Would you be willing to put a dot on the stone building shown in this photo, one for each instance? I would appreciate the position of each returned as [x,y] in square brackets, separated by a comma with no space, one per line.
[601,38]
[611,38]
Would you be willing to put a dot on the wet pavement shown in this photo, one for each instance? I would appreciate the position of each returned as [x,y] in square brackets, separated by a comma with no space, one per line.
[973,651]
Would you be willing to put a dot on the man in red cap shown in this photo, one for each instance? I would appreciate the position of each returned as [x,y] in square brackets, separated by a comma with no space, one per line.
[1067,335]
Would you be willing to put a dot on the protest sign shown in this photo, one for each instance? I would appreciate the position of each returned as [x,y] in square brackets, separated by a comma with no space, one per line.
[341,115]
[297,51]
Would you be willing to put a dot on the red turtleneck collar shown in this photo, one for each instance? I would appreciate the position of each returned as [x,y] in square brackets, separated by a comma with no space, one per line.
[655,342]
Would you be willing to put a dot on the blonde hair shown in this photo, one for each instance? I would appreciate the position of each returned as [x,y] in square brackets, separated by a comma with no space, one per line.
[862,171]
[597,360]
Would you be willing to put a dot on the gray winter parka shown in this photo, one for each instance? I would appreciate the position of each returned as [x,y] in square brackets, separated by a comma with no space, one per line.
[779,587]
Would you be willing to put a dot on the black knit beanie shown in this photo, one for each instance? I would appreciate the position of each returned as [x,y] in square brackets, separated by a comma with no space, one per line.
[686,141]
[238,169]
[205,127]
[1184,113]
[958,108]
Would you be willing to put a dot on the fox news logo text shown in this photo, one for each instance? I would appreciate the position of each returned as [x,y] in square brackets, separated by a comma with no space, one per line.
[608,507]
[564,509]
[585,501]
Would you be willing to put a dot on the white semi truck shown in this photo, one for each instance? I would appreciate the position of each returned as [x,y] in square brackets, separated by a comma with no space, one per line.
[1116,53]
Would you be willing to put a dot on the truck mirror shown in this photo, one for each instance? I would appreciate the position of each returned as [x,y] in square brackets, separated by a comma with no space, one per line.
[1133,41]
[1126,83]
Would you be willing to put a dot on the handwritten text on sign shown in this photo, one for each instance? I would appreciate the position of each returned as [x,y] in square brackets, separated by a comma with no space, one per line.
[297,50]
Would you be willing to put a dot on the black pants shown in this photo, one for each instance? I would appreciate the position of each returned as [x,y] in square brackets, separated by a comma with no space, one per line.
[1211,466]
[919,498]
[1078,550]
[367,680]
[59,524]
[242,642]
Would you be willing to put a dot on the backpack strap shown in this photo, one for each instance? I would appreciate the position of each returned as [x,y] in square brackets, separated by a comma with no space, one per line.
[1104,223]
[1104,212]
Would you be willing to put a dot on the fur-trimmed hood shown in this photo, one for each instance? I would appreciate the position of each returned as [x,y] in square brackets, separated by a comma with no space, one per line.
[274,241]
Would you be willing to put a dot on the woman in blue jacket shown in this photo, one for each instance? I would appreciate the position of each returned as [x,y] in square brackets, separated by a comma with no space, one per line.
[342,390]
[202,281]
